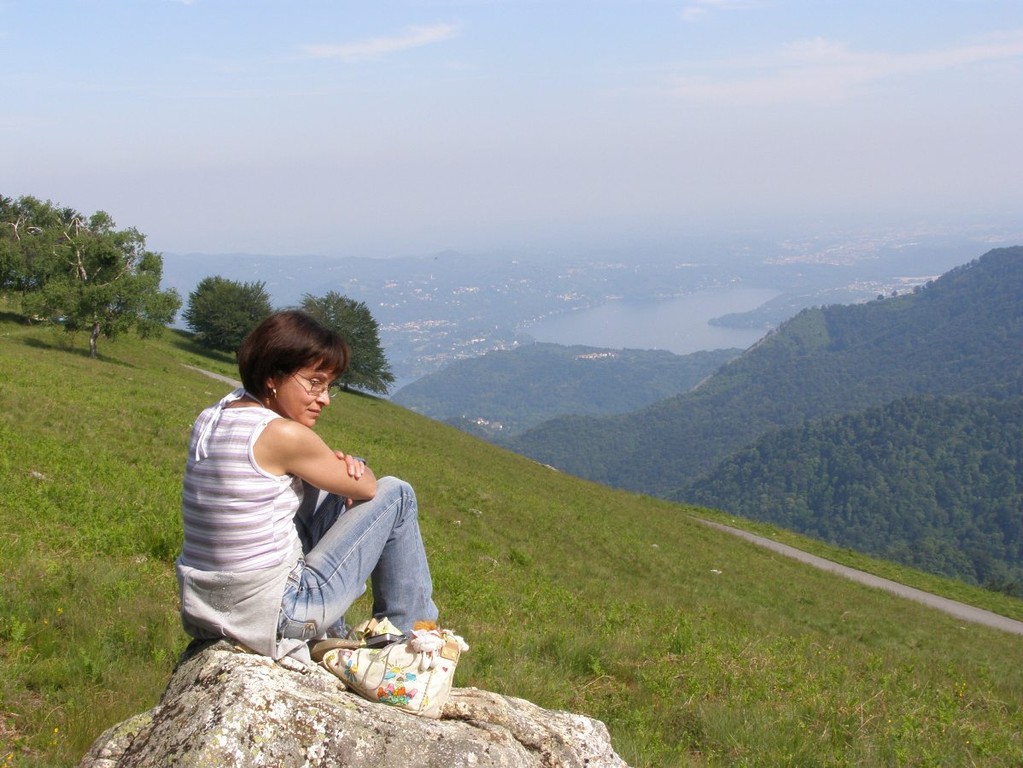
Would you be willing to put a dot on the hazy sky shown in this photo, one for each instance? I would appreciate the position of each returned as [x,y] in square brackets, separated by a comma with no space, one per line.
[369,128]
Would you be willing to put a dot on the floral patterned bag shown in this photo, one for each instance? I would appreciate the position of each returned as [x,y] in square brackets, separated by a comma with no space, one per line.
[412,674]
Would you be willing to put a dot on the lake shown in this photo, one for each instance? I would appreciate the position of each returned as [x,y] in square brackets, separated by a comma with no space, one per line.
[679,325]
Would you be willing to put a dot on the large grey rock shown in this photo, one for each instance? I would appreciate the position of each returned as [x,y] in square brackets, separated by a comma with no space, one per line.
[226,709]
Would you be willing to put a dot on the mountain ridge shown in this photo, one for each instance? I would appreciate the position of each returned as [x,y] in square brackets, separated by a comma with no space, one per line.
[519,388]
[891,428]
[820,363]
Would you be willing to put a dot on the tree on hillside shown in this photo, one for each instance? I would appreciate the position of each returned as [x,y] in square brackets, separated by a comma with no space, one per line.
[369,369]
[82,272]
[29,232]
[221,312]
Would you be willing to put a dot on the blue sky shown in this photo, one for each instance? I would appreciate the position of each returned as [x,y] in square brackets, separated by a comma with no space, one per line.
[377,128]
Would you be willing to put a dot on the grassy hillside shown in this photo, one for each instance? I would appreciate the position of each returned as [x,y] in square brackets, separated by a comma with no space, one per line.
[694,647]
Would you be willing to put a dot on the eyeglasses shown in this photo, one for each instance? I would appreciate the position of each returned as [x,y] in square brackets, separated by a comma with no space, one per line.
[316,387]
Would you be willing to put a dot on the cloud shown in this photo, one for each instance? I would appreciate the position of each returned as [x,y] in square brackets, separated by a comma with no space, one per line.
[699,9]
[823,71]
[375,47]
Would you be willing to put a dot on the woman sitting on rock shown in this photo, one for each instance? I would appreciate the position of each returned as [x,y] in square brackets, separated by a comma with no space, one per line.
[281,533]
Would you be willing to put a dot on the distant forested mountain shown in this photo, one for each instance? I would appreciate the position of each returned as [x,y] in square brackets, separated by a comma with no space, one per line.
[961,333]
[506,392]
[935,483]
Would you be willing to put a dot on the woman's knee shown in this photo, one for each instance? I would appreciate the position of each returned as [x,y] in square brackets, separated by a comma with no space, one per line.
[390,484]
[401,491]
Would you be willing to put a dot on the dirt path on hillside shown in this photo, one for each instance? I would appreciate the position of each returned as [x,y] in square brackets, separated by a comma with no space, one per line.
[951,607]
[212,375]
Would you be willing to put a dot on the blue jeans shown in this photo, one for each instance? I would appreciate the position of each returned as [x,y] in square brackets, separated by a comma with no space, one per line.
[377,539]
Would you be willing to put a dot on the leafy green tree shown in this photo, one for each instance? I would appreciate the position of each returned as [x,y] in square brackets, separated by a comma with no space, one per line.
[29,232]
[369,369]
[82,272]
[221,312]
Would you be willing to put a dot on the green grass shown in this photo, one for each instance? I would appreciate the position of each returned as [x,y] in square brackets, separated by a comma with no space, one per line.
[694,647]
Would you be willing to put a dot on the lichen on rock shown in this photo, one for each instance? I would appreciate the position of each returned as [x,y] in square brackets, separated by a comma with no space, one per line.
[229,709]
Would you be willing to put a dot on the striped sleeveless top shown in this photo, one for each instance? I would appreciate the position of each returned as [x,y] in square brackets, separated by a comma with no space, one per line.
[236,516]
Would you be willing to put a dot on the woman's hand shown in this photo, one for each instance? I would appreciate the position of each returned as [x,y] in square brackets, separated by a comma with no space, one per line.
[356,468]
[355,465]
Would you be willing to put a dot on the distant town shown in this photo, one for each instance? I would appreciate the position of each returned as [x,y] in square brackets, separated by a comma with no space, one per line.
[435,309]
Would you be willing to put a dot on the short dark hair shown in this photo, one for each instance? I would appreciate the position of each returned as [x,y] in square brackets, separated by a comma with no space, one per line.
[285,342]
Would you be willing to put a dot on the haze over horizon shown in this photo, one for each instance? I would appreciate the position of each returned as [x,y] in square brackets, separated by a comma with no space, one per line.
[351,129]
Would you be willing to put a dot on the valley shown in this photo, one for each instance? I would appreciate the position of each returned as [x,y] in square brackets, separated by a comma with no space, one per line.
[439,308]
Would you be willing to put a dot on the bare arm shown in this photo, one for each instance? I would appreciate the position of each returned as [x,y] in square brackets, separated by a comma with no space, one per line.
[287,447]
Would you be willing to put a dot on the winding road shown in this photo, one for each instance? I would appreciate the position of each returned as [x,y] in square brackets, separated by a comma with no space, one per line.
[951,607]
